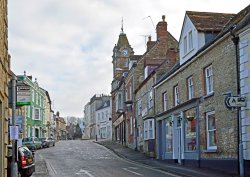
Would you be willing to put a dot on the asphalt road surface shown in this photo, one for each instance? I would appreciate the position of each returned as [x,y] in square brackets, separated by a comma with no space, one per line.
[77,158]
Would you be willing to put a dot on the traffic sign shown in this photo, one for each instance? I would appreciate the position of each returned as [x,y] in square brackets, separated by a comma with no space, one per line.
[23,95]
[235,101]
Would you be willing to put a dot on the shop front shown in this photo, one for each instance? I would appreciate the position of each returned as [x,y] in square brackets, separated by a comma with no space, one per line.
[120,129]
[177,134]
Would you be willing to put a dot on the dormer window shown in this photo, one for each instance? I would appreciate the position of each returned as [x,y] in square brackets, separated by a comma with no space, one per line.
[190,41]
[148,70]
[185,44]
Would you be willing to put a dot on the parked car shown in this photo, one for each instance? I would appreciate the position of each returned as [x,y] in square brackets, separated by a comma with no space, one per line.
[25,161]
[47,142]
[33,143]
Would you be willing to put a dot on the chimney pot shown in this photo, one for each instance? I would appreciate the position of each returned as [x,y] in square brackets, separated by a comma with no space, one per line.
[163,18]
[149,38]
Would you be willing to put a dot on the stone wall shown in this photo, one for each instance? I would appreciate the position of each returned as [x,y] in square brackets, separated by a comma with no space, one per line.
[4,78]
[222,59]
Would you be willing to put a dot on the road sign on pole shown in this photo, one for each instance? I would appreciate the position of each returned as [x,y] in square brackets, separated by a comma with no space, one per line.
[235,101]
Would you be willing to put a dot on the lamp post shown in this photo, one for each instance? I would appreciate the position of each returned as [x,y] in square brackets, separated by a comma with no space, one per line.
[13,166]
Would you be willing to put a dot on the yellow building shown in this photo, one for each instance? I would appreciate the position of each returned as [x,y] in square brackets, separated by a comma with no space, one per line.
[4,78]
[61,132]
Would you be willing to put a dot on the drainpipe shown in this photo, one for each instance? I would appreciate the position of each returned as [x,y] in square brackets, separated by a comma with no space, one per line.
[198,132]
[235,40]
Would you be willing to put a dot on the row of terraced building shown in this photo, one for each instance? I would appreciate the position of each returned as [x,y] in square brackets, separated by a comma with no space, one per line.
[36,119]
[169,103]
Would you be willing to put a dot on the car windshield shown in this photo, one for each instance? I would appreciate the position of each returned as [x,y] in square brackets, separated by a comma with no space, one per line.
[27,139]
[25,151]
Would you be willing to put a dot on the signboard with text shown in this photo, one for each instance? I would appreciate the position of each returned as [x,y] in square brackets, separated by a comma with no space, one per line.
[23,95]
[13,132]
[235,101]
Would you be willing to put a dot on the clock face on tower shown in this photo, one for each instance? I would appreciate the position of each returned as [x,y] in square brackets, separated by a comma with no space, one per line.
[125,52]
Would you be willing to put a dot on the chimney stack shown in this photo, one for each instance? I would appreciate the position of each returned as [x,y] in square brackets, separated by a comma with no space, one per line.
[161,29]
[149,43]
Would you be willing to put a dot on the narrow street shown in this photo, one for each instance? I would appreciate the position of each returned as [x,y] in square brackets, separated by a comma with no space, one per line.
[78,158]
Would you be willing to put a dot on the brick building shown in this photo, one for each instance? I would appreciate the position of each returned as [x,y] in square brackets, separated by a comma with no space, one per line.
[160,55]
[121,59]
[4,78]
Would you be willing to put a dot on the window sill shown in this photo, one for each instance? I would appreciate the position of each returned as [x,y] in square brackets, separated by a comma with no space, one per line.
[210,150]
[188,52]
[208,95]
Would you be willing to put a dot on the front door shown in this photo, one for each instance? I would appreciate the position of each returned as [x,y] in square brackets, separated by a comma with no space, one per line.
[178,139]
[178,142]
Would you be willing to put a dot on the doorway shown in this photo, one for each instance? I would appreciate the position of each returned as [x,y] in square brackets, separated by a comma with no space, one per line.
[178,135]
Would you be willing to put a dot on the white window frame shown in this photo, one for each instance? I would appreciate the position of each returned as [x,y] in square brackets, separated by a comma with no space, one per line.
[148,129]
[145,72]
[39,114]
[33,96]
[190,84]
[150,99]
[208,114]
[131,125]
[118,100]
[190,40]
[209,80]
[185,45]
[176,96]
[28,111]
[37,98]
[165,101]
[102,115]
[28,134]
[139,108]
[145,130]
[130,92]
[126,94]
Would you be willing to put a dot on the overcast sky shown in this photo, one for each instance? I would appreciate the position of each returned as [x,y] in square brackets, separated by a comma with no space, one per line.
[67,44]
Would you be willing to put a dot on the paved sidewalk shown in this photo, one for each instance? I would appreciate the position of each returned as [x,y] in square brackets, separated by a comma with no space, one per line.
[41,167]
[138,157]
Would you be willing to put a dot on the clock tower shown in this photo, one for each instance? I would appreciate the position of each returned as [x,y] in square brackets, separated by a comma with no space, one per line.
[121,52]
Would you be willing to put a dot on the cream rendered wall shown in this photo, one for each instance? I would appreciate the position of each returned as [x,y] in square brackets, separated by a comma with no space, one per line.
[244,52]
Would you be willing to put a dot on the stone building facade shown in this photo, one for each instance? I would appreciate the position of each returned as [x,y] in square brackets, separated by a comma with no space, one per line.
[121,59]
[197,128]
[90,114]
[4,78]
[61,132]
[161,52]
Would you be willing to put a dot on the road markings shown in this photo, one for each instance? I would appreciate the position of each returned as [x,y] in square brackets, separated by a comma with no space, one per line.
[52,168]
[126,169]
[84,172]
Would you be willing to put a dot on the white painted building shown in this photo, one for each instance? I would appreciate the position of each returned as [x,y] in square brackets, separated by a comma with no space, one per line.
[104,121]
[244,74]
[86,118]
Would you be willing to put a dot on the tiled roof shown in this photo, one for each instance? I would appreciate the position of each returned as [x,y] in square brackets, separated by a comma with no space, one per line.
[135,57]
[209,21]
[168,72]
